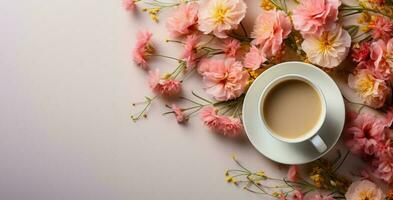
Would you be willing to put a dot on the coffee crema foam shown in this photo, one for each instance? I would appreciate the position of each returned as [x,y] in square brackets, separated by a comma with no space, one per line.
[292,108]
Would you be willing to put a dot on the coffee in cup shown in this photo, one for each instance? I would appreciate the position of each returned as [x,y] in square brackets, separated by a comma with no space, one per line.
[293,109]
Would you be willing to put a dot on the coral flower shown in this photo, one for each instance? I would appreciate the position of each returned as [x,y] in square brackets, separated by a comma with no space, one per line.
[382,28]
[315,16]
[270,29]
[292,173]
[165,87]
[382,55]
[179,114]
[221,124]
[183,20]
[143,49]
[254,58]
[129,4]
[231,47]
[190,50]
[329,49]
[383,163]
[220,16]
[366,132]
[364,189]
[224,79]
[372,91]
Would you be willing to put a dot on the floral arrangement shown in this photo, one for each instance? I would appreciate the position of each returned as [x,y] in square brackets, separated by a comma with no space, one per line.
[228,58]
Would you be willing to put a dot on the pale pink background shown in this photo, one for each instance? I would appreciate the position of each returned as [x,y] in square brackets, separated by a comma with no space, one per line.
[67,83]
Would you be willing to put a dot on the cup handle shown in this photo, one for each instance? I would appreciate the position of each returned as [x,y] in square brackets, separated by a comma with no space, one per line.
[318,143]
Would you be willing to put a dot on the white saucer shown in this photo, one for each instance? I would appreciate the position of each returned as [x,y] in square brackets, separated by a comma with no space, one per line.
[302,152]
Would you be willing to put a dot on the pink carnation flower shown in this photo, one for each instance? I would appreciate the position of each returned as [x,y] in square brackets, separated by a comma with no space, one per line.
[165,87]
[142,49]
[224,79]
[231,47]
[270,29]
[371,90]
[220,16]
[364,189]
[183,20]
[382,28]
[190,50]
[292,173]
[224,125]
[179,114]
[254,58]
[315,16]
[366,132]
[129,4]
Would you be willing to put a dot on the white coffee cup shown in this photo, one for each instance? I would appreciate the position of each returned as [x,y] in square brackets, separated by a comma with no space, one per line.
[312,134]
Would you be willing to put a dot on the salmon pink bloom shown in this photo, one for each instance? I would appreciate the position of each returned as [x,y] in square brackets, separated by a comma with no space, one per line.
[364,189]
[254,58]
[383,163]
[190,50]
[220,16]
[129,4]
[165,87]
[382,28]
[224,79]
[183,20]
[143,49]
[382,55]
[371,90]
[179,114]
[292,173]
[270,29]
[315,16]
[231,47]
[366,132]
[328,49]
[221,124]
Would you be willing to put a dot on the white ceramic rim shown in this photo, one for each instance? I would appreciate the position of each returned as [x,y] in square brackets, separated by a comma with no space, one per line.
[321,118]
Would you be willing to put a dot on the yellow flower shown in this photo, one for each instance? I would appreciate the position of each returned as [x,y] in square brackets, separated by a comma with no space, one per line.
[267,5]
[318,180]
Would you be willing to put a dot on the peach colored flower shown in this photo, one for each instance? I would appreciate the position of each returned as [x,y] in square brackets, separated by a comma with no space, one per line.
[183,19]
[143,49]
[382,55]
[231,47]
[270,29]
[221,124]
[329,49]
[220,16]
[254,58]
[364,189]
[366,132]
[315,16]
[165,87]
[292,173]
[179,114]
[129,4]
[382,28]
[190,50]
[224,79]
[372,91]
